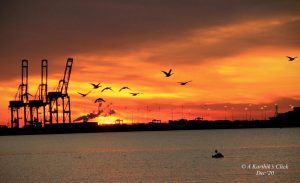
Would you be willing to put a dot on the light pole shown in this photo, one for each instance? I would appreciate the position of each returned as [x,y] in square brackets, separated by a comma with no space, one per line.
[147,110]
[265,112]
[262,112]
[159,112]
[276,110]
[225,110]
[208,112]
[232,113]
[181,111]
[250,112]
[246,116]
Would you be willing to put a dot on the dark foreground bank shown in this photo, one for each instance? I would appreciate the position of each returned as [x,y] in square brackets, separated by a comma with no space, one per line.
[91,127]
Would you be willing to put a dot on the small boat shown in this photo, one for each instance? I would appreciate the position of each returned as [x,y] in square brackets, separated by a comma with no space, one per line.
[217,155]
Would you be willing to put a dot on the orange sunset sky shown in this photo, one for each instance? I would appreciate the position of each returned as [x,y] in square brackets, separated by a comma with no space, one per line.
[234,52]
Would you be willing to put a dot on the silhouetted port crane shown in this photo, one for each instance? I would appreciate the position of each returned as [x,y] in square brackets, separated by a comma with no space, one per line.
[61,94]
[40,99]
[21,98]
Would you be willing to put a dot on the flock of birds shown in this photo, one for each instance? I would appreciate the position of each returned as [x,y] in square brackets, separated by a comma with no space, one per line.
[99,100]
[169,73]
[96,86]
[166,74]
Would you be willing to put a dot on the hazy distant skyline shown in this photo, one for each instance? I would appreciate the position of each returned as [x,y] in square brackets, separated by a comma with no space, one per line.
[234,51]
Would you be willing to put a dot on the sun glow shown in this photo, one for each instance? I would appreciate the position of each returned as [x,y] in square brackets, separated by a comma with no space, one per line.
[105,120]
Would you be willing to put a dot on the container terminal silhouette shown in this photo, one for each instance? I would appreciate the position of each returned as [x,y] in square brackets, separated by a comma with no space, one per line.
[48,101]
[288,119]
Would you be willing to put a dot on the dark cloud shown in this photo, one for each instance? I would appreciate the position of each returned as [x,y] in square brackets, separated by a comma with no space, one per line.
[286,101]
[232,43]
[58,29]
[282,102]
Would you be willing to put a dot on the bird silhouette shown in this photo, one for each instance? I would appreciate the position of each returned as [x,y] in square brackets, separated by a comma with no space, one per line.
[84,94]
[99,100]
[96,85]
[123,88]
[168,74]
[106,88]
[184,83]
[135,94]
[291,58]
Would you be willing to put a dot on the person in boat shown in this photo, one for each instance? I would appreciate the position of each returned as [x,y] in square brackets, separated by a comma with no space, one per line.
[217,155]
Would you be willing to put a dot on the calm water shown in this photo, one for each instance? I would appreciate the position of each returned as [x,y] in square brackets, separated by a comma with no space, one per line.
[167,156]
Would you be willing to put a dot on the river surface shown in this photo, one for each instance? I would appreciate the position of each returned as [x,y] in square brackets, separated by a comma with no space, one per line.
[251,155]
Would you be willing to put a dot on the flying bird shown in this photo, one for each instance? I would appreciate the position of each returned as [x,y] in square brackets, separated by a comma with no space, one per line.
[168,74]
[123,88]
[184,83]
[106,88]
[99,100]
[84,94]
[96,85]
[291,58]
[135,94]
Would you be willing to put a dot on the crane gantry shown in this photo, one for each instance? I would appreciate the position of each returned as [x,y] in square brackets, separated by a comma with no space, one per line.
[52,103]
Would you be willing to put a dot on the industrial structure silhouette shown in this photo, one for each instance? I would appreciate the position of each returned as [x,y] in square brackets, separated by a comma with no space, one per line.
[53,103]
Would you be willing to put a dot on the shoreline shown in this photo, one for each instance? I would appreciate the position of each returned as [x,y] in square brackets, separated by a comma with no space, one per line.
[93,127]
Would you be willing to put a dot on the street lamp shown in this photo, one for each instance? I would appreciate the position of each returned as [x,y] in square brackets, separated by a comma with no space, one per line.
[250,111]
[232,113]
[246,110]
[262,112]
[225,107]
[265,107]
